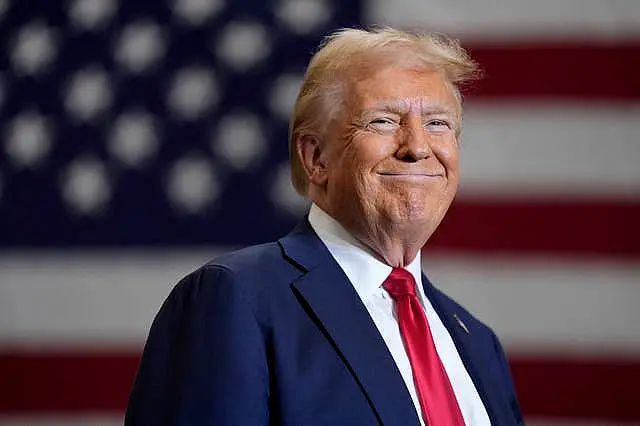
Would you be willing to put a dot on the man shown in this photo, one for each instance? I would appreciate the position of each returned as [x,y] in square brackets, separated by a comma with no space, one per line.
[326,326]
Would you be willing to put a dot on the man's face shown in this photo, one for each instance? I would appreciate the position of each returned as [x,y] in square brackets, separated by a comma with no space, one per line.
[392,156]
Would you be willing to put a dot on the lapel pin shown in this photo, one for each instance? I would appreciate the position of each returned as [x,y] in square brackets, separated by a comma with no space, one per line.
[460,323]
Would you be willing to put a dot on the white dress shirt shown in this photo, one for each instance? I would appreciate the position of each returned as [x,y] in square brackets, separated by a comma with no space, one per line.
[367,274]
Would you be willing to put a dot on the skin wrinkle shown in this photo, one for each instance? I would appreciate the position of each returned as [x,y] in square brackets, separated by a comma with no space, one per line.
[393,215]
[426,107]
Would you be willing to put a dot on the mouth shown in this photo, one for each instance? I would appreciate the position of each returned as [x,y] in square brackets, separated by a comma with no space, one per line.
[411,174]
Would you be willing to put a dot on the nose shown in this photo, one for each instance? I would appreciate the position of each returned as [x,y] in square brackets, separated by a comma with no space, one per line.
[414,142]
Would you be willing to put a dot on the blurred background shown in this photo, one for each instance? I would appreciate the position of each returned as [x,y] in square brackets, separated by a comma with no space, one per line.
[139,139]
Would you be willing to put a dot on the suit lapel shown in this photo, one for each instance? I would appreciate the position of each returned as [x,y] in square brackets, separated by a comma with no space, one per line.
[336,306]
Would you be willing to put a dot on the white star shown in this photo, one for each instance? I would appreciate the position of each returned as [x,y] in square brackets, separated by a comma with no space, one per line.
[28,139]
[192,185]
[139,46]
[133,138]
[196,12]
[303,16]
[92,14]
[192,92]
[33,49]
[242,45]
[240,140]
[283,195]
[88,94]
[85,187]
[4,5]
[284,93]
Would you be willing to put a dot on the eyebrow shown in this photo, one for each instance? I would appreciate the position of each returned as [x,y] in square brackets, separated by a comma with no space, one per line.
[402,106]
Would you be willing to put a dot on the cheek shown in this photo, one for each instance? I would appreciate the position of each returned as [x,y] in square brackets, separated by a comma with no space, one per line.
[370,149]
[446,151]
[363,153]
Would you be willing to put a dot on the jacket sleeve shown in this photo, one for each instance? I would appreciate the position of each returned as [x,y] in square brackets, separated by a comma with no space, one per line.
[204,362]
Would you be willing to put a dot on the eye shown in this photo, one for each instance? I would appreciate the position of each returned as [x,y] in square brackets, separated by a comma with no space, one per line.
[382,120]
[438,124]
[382,123]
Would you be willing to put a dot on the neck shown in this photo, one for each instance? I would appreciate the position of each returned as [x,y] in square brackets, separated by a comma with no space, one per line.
[395,244]
[396,249]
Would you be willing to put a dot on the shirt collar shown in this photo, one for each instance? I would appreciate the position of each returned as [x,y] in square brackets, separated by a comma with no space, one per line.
[365,271]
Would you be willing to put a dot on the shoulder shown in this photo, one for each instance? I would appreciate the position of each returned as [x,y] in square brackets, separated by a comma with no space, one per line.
[250,275]
[251,265]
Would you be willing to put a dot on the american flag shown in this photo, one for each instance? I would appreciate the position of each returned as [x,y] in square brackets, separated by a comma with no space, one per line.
[139,139]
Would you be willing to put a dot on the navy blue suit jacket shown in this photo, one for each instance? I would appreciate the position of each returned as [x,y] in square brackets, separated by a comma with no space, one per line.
[275,334]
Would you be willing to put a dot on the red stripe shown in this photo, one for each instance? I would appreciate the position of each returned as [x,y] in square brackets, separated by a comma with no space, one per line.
[578,388]
[87,382]
[559,70]
[604,228]
[65,382]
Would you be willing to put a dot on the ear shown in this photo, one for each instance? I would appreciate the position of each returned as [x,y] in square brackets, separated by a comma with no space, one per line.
[313,159]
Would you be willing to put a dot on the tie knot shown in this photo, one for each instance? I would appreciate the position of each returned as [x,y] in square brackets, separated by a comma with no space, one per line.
[400,282]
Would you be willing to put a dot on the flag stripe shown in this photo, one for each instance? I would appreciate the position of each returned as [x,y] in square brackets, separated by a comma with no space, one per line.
[588,225]
[70,420]
[550,149]
[85,382]
[578,227]
[547,306]
[559,71]
[514,20]
[578,388]
[63,382]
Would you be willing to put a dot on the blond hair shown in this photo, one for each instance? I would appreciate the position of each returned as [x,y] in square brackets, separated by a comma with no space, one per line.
[322,88]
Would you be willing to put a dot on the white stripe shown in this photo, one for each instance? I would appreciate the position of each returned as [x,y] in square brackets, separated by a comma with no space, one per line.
[548,149]
[108,298]
[514,20]
[87,296]
[548,306]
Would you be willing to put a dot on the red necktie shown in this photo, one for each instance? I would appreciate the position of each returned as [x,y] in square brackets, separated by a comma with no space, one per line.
[437,400]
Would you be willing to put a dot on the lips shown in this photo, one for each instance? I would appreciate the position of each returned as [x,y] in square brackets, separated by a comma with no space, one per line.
[410,173]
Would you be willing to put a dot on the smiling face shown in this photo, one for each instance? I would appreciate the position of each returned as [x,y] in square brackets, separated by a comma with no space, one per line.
[391,158]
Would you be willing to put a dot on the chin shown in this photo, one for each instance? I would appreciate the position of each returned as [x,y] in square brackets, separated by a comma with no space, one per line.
[417,216]
[410,217]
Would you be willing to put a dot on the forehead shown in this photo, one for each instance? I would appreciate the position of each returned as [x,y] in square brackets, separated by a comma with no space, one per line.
[401,89]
